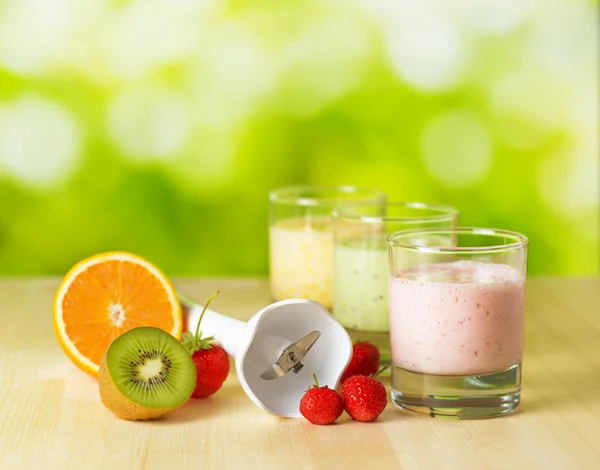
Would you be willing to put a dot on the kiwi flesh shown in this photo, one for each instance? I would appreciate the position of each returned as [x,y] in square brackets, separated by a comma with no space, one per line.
[145,374]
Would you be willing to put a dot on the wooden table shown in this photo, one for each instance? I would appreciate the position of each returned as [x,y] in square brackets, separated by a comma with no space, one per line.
[51,416]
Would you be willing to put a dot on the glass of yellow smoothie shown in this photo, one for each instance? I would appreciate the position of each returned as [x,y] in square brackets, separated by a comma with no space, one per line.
[301,238]
[360,266]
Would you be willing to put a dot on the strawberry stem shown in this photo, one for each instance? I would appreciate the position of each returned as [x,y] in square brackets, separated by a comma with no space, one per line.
[383,368]
[196,339]
[316,381]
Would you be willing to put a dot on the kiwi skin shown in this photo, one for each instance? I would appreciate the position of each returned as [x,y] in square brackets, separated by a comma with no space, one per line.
[119,404]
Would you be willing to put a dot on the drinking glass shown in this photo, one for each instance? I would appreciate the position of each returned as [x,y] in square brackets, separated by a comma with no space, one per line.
[456,320]
[301,238]
[360,267]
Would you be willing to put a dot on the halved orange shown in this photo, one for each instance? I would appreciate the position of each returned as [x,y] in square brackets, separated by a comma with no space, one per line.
[106,295]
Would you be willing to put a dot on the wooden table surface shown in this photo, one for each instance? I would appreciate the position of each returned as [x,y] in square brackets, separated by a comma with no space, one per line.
[51,416]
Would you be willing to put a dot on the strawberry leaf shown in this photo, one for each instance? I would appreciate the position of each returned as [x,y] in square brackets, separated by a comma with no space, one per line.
[195,343]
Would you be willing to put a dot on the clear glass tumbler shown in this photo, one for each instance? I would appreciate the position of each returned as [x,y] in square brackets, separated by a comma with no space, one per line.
[360,267]
[301,238]
[456,320]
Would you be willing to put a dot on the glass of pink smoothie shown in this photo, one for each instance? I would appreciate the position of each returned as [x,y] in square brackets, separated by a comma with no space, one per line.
[456,320]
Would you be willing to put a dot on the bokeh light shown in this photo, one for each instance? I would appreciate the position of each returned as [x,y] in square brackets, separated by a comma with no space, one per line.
[457,148]
[148,123]
[39,141]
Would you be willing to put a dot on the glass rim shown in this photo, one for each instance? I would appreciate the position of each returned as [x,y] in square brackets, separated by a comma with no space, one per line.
[520,240]
[291,194]
[446,212]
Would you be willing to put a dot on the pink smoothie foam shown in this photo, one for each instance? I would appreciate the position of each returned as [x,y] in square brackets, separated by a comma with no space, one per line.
[460,318]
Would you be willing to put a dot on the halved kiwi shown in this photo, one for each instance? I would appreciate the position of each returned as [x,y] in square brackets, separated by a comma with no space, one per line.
[145,374]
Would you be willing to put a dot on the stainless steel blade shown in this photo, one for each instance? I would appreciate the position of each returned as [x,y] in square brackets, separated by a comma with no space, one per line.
[273,372]
[291,357]
[307,342]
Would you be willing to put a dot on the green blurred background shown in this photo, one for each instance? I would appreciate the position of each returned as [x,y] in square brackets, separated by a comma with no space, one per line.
[159,126]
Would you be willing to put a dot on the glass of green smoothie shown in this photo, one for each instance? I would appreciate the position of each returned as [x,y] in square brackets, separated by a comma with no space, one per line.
[360,264]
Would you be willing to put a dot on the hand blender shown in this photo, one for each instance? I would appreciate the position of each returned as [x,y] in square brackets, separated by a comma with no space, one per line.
[279,349]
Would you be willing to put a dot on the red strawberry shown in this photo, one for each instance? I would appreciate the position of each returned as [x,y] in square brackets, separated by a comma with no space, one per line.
[212,368]
[321,405]
[364,398]
[211,361]
[365,360]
